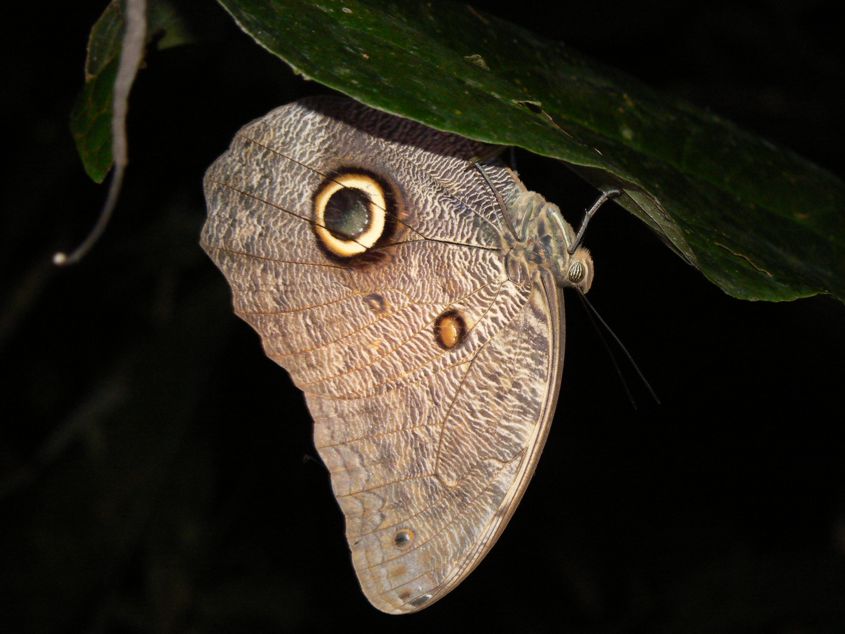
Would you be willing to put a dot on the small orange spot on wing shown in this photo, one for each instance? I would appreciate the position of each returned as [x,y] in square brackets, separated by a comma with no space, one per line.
[450,329]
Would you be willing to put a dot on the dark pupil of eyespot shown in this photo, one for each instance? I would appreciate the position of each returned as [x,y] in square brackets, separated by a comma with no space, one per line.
[347,213]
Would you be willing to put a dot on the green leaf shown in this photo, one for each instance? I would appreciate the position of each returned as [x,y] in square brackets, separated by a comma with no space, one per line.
[90,120]
[757,220]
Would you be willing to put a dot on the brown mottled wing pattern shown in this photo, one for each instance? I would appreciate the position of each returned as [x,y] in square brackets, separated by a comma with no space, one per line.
[429,448]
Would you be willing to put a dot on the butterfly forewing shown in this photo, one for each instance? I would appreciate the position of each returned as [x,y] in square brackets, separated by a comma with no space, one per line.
[430,375]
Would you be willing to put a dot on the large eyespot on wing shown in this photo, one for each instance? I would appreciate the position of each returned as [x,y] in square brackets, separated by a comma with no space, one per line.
[429,467]
[356,212]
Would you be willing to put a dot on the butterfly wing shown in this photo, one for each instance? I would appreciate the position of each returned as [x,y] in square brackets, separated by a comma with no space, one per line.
[431,377]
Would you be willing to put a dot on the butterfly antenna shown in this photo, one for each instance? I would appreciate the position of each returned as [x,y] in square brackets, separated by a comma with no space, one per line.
[593,313]
[605,196]
[609,350]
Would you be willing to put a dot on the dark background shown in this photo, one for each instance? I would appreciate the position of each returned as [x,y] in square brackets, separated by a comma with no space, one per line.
[157,473]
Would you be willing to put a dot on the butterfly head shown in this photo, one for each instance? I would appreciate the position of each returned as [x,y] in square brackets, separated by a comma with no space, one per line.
[578,272]
[543,243]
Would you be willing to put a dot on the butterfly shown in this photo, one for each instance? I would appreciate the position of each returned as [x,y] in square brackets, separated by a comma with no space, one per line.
[415,296]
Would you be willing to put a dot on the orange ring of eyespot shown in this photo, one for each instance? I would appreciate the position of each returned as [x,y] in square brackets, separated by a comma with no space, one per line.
[376,207]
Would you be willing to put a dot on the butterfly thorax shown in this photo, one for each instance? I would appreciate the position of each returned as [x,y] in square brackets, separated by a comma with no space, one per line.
[541,241]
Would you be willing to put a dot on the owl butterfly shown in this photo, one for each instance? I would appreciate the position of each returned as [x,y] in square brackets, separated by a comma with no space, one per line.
[417,302]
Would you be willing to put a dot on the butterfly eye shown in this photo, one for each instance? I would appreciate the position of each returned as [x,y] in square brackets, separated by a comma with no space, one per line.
[350,213]
[577,271]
